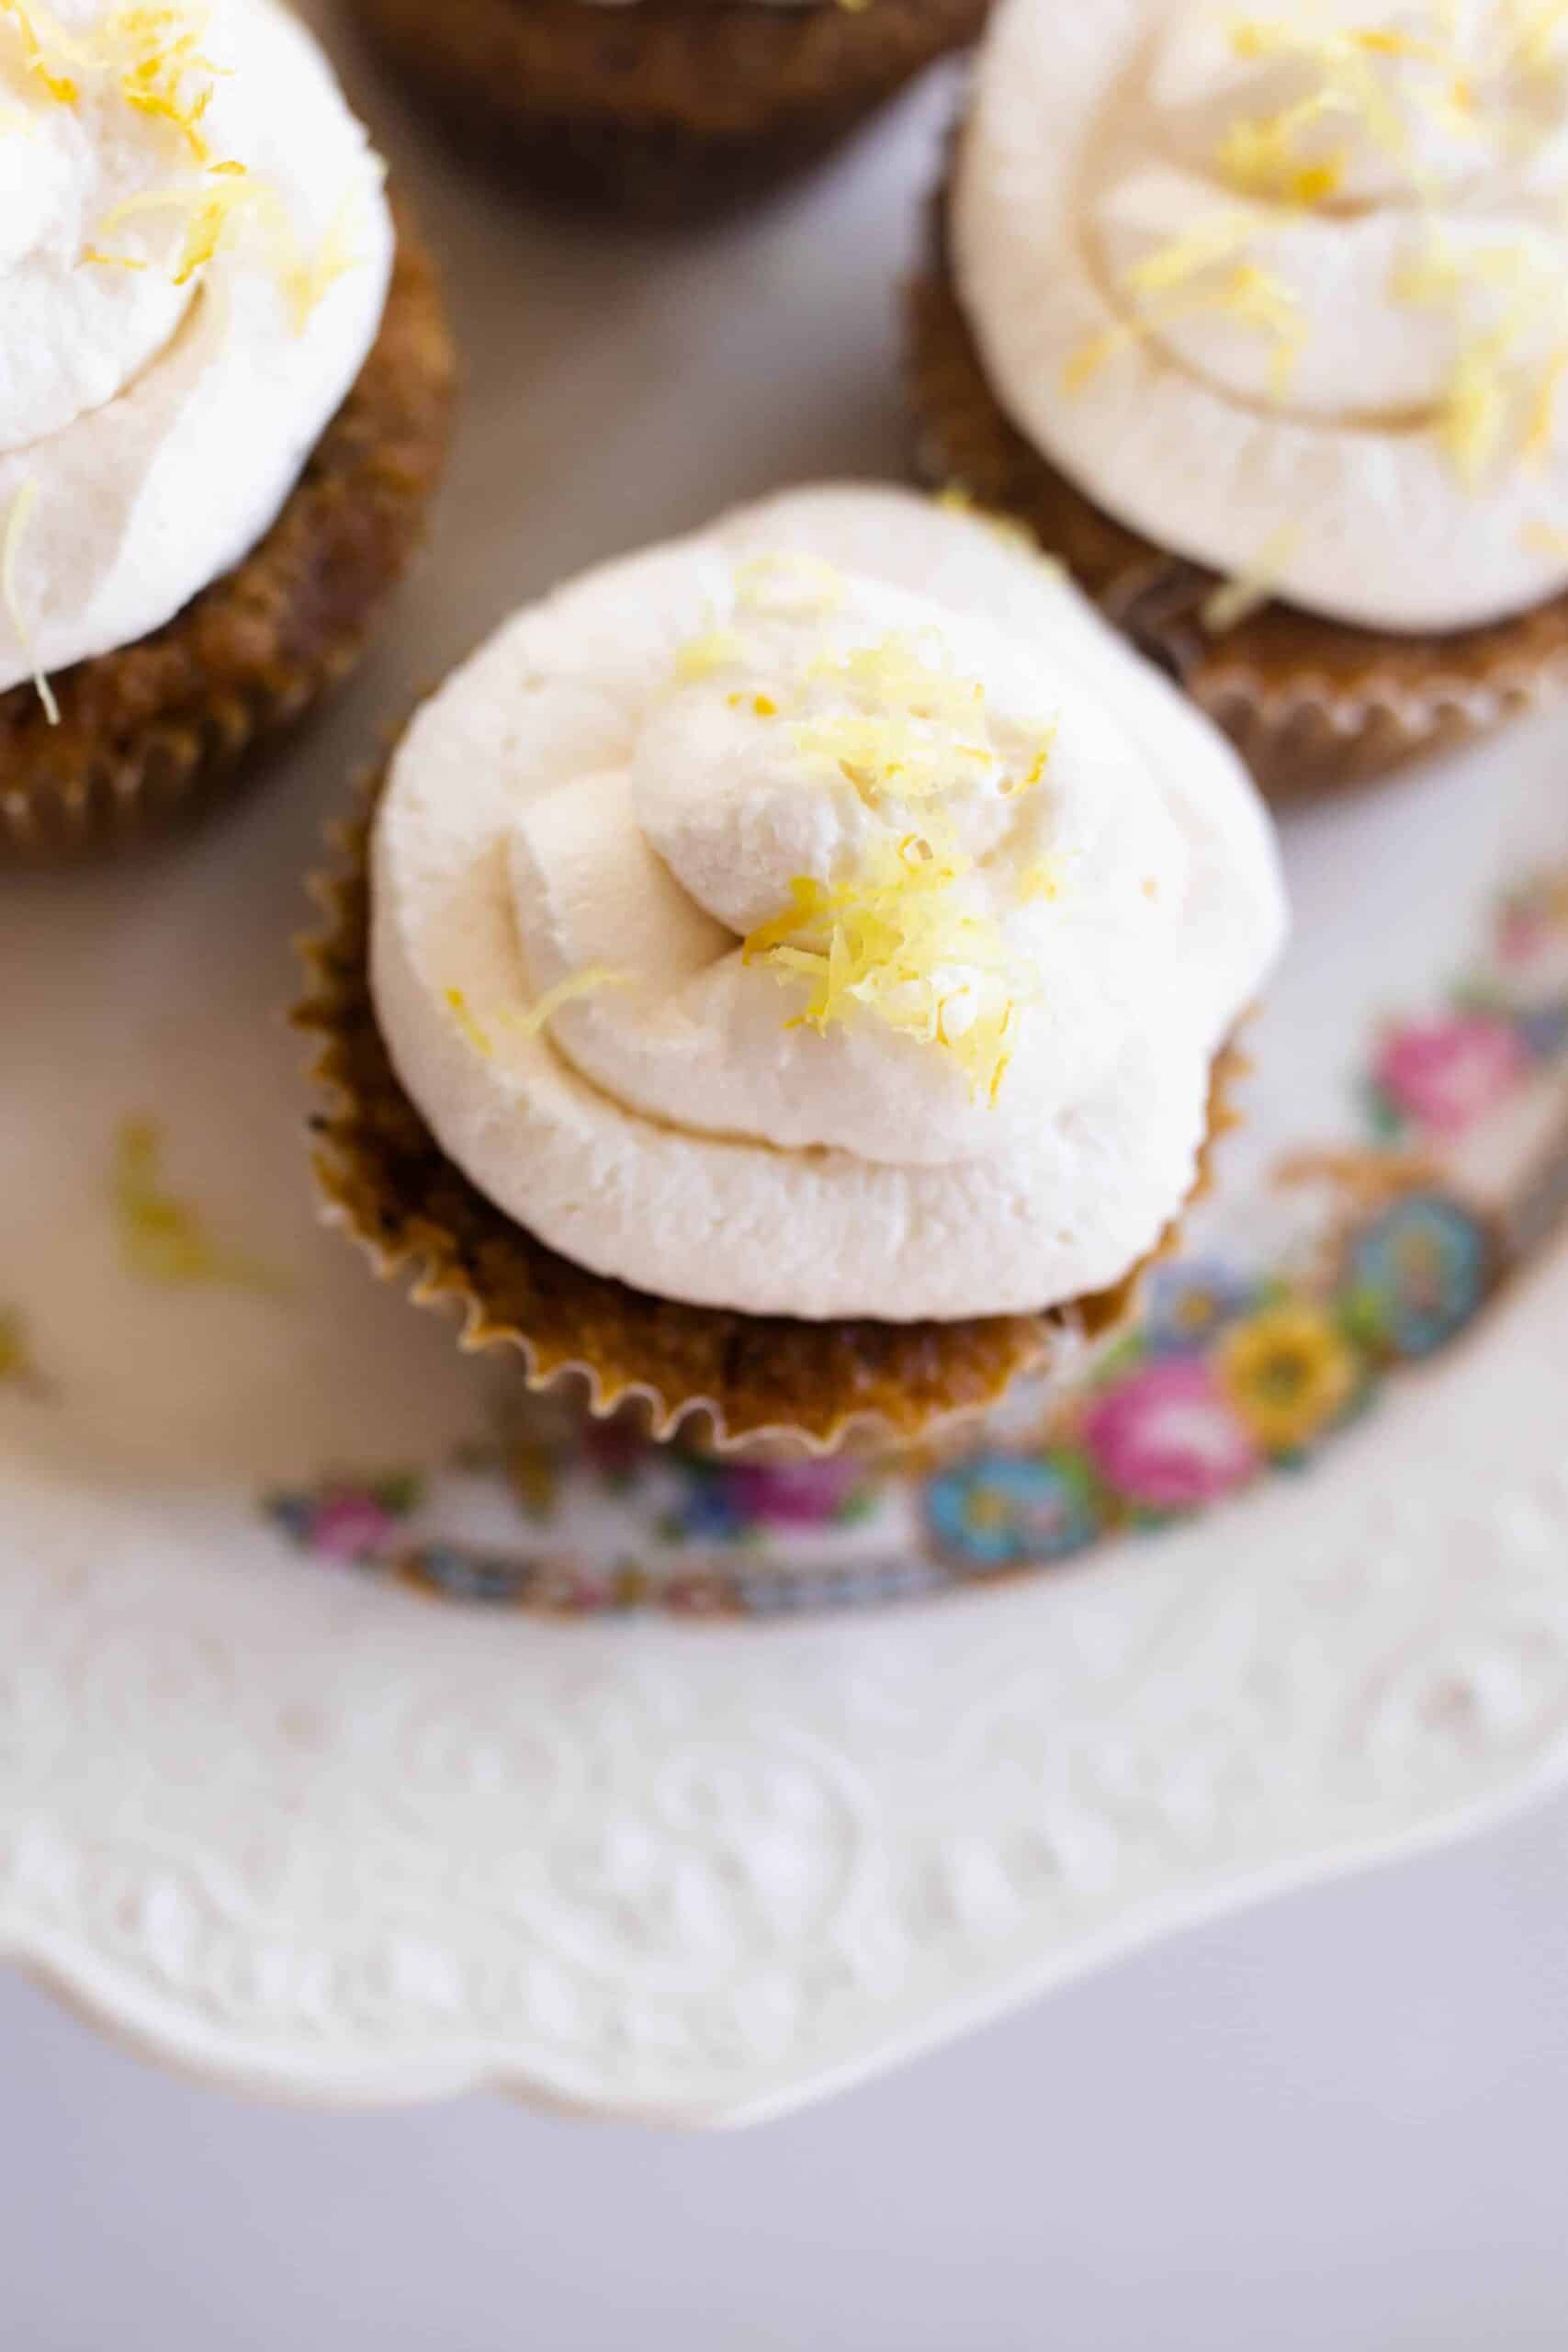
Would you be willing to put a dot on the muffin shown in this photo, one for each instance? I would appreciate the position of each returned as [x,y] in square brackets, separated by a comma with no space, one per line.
[666,108]
[222,408]
[1256,317]
[788,977]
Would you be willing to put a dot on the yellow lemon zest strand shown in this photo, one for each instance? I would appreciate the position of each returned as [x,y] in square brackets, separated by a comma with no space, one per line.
[1189,275]
[151,53]
[213,203]
[462,1013]
[10,552]
[162,70]
[898,936]
[229,196]
[1498,294]
[111,261]
[1542,427]
[164,1239]
[1258,155]
[1042,879]
[700,657]
[1536,26]
[905,674]
[1234,601]
[587,982]
[760,576]
[49,53]
[308,278]
[1183,258]
[1344,60]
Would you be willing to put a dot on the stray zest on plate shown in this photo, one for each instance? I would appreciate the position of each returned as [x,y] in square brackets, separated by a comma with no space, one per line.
[999,1368]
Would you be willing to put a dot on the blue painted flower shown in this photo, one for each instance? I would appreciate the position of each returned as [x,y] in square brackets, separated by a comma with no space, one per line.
[711,1507]
[467,1575]
[997,1509]
[1419,1270]
[1543,1029]
[1188,1301]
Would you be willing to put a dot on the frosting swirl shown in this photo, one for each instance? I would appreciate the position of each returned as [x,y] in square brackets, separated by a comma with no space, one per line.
[824,915]
[1288,275]
[193,255]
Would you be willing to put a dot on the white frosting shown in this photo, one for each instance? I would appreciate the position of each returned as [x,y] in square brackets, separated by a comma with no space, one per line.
[1410,225]
[155,429]
[576,798]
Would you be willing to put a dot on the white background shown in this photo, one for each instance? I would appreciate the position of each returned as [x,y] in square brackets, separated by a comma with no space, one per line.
[1335,2124]
[1337,2121]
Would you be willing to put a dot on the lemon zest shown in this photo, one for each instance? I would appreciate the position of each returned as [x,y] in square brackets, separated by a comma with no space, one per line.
[10,552]
[822,583]
[462,1012]
[1042,879]
[1492,373]
[1180,276]
[535,1017]
[1542,427]
[1257,155]
[1236,600]
[1537,27]
[586,982]
[898,936]
[49,53]
[1541,537]
[717,649]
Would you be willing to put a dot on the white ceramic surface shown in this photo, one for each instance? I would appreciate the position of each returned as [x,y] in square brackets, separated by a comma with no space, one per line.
[310,1834]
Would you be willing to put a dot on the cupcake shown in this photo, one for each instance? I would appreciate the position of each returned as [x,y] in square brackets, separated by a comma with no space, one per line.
[668,108]
[788,975]
[1256,315]
[222,405]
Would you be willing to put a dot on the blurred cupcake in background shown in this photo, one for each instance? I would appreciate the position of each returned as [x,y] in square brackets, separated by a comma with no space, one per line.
[666,109]
[223,405]
[1257,316]
[788,979]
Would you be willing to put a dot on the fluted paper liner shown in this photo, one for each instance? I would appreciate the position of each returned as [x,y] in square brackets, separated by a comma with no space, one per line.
[153,736]
[672,109]
[727,1382]
[1313,705]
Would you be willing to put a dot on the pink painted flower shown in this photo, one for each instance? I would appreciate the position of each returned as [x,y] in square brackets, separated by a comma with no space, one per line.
[350,1526]
[1443,1075]
[1168,1438]
[803,1493]
[1525,932]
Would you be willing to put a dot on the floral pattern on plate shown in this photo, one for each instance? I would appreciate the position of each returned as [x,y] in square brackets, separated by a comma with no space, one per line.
[1232,1372]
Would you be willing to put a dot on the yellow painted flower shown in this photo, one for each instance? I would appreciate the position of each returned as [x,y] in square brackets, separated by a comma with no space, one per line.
[1288,1371]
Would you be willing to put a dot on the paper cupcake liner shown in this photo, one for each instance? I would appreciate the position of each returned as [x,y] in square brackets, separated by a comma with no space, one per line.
[668,110]
[724,1382]
[153,736]
[1313,705]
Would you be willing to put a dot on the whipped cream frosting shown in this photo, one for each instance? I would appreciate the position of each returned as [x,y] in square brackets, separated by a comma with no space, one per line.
[193,259]
[1287,280]
[634,847]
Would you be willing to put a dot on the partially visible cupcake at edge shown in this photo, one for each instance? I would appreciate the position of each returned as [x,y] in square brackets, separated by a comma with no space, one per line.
[1257,312]
[788,978]
[669,109]
[223,404]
